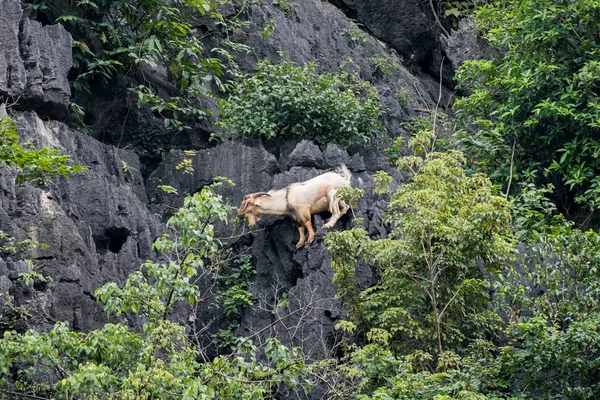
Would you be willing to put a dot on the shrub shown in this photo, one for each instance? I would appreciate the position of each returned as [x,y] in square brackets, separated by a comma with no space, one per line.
[293,101]
[31,164]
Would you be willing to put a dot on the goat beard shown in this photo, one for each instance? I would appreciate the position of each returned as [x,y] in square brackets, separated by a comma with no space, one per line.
[251,220]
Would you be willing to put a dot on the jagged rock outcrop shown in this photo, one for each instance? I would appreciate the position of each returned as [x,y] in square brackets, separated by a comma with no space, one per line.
[313,31]
[305,274]
[34,62]
[317,31]
[96,225]
[465,44]
[406,25]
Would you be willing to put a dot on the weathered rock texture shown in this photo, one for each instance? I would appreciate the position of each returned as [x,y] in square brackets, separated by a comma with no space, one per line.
[317,31]
[305,274]
[465,44]
[34,62]
[96,225]
[406,25]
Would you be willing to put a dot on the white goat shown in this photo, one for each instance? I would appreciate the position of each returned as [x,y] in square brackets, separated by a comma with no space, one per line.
[300,201]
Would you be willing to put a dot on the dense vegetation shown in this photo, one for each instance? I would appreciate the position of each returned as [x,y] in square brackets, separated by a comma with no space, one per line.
[532,115]
[460,311]
[162,360]
[290,101]
[484,291]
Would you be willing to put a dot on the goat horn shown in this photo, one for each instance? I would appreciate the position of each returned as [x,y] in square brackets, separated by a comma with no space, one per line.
[260,194]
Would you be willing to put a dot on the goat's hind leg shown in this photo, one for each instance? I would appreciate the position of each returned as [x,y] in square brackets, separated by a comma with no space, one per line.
[305,223]
[302,240]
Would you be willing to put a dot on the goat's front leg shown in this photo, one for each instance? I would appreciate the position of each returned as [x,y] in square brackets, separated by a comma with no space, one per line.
[338,209]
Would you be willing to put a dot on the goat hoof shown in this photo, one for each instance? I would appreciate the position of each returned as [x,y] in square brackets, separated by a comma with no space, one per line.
[327,226]
[298,245]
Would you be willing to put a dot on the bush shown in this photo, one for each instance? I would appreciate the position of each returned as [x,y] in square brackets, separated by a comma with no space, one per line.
[293,102]
[133,37]
[162,359]
[31,164]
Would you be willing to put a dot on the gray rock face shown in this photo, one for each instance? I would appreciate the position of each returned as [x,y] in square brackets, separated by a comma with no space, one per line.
[12,72]
[465,44]
[406,25]
[34,62]
[99,226]
[96,225]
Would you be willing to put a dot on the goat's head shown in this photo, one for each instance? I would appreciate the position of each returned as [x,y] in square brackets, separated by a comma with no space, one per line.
[249,207]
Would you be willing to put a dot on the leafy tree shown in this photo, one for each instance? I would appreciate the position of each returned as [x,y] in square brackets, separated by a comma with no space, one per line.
[548,347]
[160,360]
[289,101]
[532,115]
[448,229]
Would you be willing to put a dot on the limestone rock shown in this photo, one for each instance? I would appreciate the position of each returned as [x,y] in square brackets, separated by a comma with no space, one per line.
[96,225]
[465,44]
[34,62]
[306,154]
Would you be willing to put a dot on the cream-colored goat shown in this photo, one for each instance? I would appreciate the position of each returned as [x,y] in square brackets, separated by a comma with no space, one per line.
[299,201]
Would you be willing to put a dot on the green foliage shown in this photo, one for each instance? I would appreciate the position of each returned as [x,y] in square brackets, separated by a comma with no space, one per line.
[403,96]
[549,297]
[32,276]
[356,35]
[452,11]
[268,28]
[127,169]
[381,64]
[10,245]
[286,6]
[552,303]
[187,249]
[32,164]
[290,101]
[159,361]
[533,114]
[448,227]
[350,195]
[375,371]
[167,189]
[130,36]
[532,211]
[234,296]
[559,277]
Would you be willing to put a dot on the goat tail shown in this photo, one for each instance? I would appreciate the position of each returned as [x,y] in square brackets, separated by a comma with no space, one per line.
[344,172]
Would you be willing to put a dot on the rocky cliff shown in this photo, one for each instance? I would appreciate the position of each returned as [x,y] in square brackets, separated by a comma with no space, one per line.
[99,226]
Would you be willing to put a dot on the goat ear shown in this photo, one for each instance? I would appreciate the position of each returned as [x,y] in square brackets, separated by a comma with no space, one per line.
[246,202]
